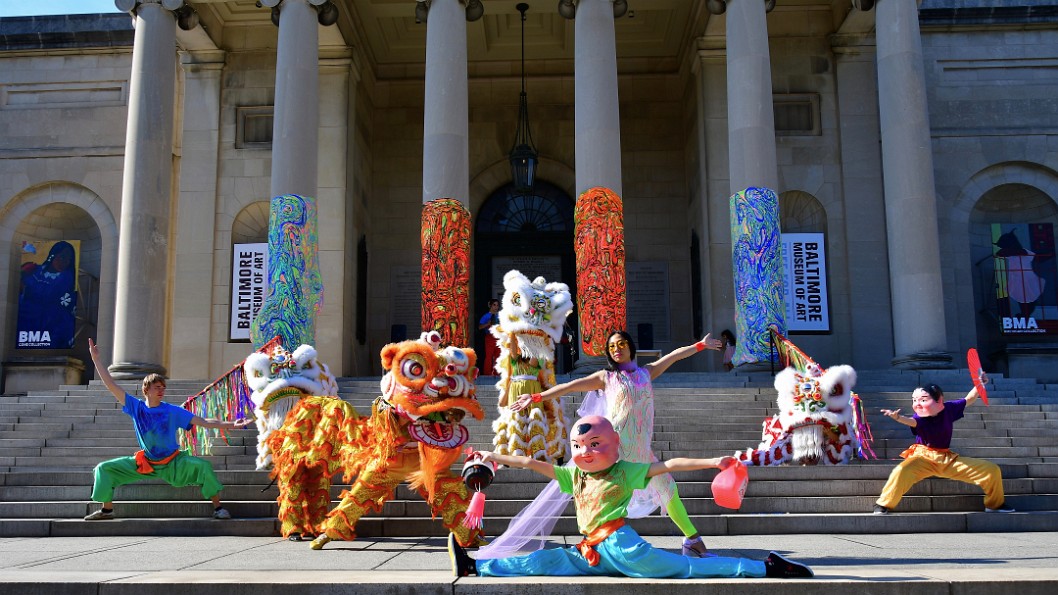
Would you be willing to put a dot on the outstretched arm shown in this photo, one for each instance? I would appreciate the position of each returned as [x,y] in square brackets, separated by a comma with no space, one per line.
[595,381]
[658,368]
[907,421]
[972,395]
[519,462]
[689,465]
[104,374]
[221,424]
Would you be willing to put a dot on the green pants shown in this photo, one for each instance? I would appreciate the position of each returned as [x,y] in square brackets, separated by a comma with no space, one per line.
[184,470]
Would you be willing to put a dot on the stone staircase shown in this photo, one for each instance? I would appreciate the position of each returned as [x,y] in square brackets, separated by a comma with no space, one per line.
[51,440]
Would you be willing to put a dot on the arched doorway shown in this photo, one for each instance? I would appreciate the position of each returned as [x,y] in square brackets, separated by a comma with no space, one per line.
[531,233]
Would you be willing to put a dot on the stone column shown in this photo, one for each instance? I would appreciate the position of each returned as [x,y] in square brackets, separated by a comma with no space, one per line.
[446,145]
[711,83]
[196,210]
[295,128]
[856,90]
[751,121]
[146,194]
[598,119]
[919,330]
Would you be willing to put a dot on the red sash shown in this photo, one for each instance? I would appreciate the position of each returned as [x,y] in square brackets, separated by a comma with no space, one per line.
[586,547]
[911,450]
[145,466]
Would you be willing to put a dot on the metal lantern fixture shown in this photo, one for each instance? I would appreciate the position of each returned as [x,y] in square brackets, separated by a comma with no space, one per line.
[523,156]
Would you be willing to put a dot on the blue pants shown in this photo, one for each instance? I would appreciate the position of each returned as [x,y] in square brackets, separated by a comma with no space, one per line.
[624,553]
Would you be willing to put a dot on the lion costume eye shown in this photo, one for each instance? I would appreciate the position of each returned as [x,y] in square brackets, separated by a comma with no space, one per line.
[413,368]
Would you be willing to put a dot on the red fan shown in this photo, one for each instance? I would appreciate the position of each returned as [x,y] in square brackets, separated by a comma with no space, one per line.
[973,361]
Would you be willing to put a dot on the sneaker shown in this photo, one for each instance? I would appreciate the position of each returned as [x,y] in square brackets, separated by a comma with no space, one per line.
[320,541]
[778,567]
[879,509]
[694,549]
[462,563]
[1001,508]
[221,514]
[100,515]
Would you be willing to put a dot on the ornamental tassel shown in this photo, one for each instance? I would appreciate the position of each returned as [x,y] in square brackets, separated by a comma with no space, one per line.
[475,517]
[864,437]
[477,475]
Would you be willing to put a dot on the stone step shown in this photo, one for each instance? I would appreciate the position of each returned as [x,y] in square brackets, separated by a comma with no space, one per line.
[726,524]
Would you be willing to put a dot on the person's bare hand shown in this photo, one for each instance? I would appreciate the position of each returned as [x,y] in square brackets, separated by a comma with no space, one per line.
[891,413]
[93,349]
[710,342]
[521,402]
[242,423]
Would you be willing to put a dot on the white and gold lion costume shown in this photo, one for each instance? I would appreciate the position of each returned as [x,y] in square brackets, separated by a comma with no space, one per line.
[413,434]
[531,318]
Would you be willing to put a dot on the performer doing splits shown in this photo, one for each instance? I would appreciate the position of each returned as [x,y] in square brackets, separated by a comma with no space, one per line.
[602,486]
[629,396]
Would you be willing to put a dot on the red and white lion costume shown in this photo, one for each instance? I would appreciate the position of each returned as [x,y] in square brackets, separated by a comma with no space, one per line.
[816,420]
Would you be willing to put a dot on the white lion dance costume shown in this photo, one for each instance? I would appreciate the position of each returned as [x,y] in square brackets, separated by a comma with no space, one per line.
[531,318]
[818,420]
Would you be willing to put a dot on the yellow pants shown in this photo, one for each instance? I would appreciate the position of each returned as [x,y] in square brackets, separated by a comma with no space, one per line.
[925,462]
[376,484]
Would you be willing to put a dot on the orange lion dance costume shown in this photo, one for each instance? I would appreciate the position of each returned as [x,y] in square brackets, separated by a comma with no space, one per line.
[413,434]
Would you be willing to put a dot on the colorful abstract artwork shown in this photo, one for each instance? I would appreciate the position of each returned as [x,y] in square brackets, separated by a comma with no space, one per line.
[295,286]
[446,270]
[757,271]
[599,243]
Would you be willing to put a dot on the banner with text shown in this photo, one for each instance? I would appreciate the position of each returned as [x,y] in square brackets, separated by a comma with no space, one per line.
[249,285]
[1025,278]
[48,294]
[805,275]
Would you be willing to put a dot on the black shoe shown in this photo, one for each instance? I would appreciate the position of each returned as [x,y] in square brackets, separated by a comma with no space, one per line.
[879,509]
[462,564]
[778,567]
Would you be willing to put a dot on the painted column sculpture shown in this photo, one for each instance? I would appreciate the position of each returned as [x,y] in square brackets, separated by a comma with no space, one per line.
[445,176]
[599,234]
[295,286]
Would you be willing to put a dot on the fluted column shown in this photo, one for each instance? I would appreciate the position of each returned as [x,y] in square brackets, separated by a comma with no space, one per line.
[295,128]
[919,330]
[446,145]
[751,121]
[598,118]
[146,193]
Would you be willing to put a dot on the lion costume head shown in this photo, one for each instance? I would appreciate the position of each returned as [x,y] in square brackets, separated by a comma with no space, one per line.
[531,316]
[278,380]
[432,388]
[821,401]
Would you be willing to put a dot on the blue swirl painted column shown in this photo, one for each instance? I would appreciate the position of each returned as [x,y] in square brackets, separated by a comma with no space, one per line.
[757,264]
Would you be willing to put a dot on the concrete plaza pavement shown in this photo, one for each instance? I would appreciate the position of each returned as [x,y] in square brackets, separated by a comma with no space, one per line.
[904,564]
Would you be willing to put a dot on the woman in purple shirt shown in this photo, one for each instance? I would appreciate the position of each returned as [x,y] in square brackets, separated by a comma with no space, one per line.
[930,455]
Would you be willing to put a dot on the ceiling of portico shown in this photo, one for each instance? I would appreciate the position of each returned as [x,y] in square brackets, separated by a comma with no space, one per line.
[655,35]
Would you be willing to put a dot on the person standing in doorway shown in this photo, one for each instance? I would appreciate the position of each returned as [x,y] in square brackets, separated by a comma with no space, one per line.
[492,349]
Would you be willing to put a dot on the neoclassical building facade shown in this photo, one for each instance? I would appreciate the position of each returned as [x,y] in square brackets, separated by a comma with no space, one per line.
[906,135]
